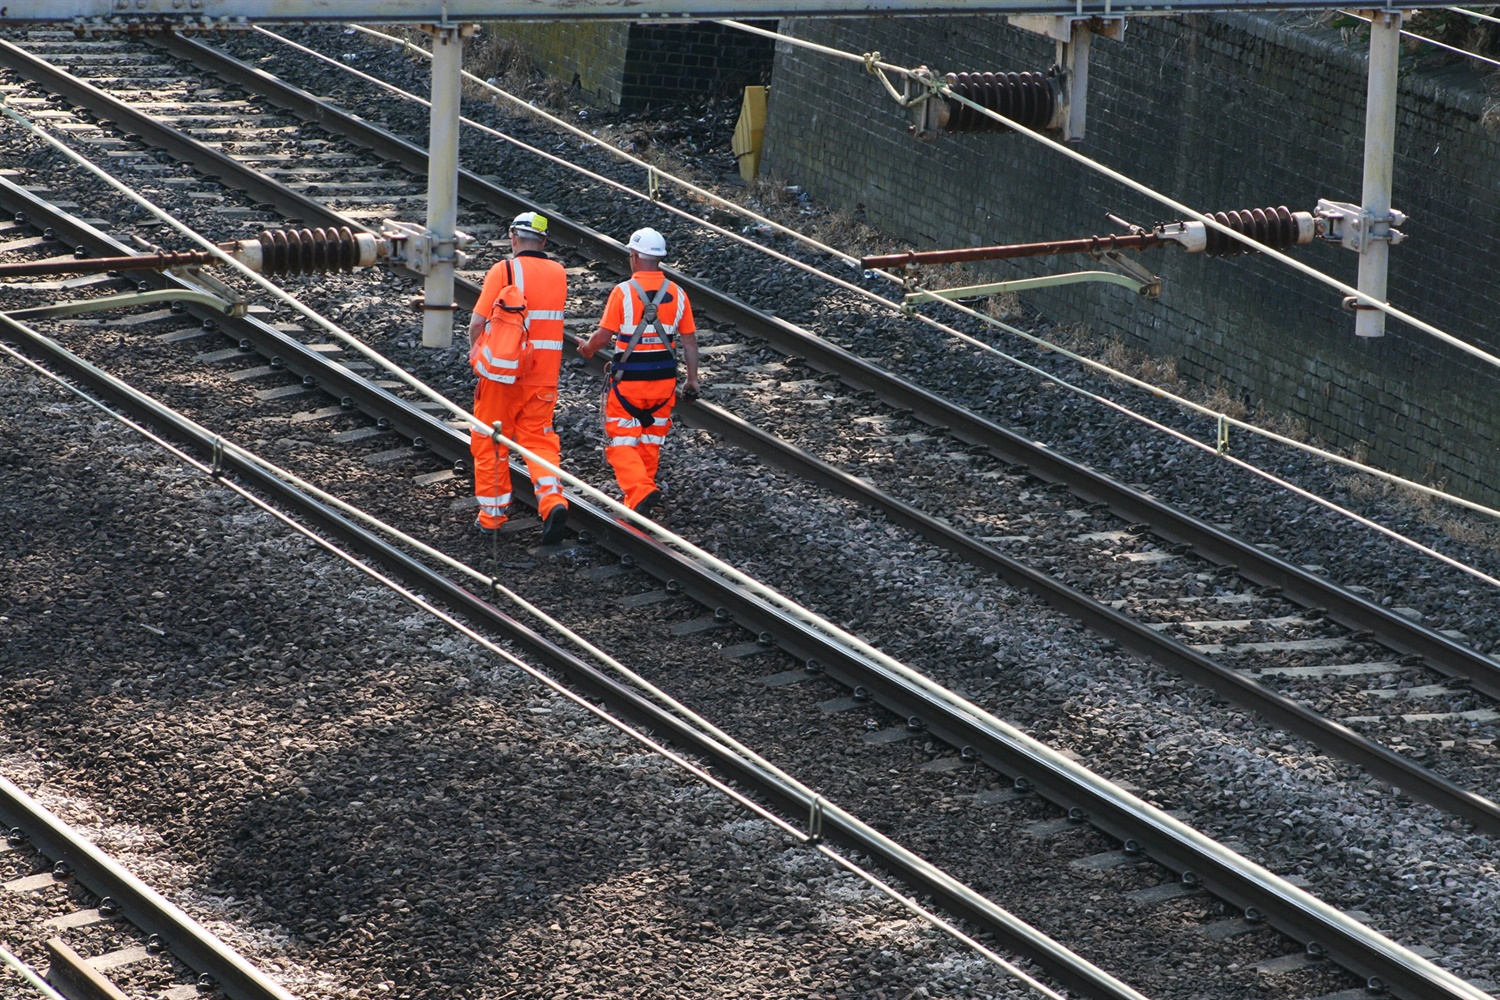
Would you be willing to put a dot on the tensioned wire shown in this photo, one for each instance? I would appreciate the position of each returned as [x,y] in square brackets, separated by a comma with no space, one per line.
[1474,14]
[808,838]
[966,338]
[707,560]
[655,529]
[749,584]
[1431,41]
[873,297]
[873,63]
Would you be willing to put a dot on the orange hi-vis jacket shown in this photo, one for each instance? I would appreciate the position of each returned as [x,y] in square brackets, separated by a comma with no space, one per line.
[544,283]
[653,358]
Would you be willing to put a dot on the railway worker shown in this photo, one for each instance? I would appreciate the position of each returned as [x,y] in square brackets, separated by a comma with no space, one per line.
[521,399]
[646,317]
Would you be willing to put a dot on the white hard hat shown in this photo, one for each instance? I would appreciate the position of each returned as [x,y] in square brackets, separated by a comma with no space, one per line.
[648,243]
[530,223]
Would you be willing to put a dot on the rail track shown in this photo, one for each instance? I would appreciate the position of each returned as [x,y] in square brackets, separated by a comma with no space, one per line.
[104,932]
[756,365]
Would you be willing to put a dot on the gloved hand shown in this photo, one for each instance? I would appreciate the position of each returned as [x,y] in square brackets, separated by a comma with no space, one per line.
[688,394]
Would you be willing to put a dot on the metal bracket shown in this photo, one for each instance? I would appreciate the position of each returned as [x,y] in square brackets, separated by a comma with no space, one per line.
[1150,284]
[1149,287]
[234,302]
[125,301]
[1356,228]
[919,95]
[1074,34]
[415,248]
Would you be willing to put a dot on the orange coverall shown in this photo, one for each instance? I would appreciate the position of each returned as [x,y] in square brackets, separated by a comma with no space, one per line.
[648,380]
[522,403]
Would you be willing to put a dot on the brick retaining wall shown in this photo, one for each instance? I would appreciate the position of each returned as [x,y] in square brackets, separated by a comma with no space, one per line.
[634,66]
[1220,112]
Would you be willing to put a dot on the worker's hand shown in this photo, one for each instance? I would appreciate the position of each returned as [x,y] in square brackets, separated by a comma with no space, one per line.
[690,390]
[584,350]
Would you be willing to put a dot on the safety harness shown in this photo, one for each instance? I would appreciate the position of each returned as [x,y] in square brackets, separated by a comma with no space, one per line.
[623,368]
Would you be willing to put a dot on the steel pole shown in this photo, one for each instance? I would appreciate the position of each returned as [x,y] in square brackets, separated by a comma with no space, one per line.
[1380,144]
[442,184]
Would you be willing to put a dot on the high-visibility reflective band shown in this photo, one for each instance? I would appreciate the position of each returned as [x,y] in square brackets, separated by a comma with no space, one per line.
[623,422]
[628,306]
[546,345]
[653,439]
[547,485]
[622,442]
[492,368]
[494,506]
[495,362]
[544,313]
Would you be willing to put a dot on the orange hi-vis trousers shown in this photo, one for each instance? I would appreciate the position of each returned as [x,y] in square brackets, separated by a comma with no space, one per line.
[524,413]
[631,448]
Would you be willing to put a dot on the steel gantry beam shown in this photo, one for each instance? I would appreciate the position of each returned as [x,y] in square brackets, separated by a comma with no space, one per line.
[448,11]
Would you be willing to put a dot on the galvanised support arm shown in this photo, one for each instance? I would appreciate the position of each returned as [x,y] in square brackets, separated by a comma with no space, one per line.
[442,183]
[1380,141]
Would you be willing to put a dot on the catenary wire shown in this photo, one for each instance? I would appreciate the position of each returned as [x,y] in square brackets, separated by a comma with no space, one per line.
[652,526]
[705,559]
[866,293]
[887,303]
[1430,41]
[655,529]
[556,686]
[1141,188]
[1287,484]
[1474,14]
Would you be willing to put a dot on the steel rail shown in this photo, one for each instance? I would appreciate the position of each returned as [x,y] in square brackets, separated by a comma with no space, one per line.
[1290,910]
[1020,937]
[1439,652]
[139,903]
[986,740]
[1400,771]
[1330,736]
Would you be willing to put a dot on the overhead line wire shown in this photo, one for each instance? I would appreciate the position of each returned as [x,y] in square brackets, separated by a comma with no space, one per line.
[581,487]
[866,293]
[1474,14]
[1431,41]
[651,526]
[1149,192]
[969,339]
[745,754]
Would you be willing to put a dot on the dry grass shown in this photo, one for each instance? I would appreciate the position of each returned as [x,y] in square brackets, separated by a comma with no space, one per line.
[491,57]
[1223,399]
[1484,536]
[1489,119]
